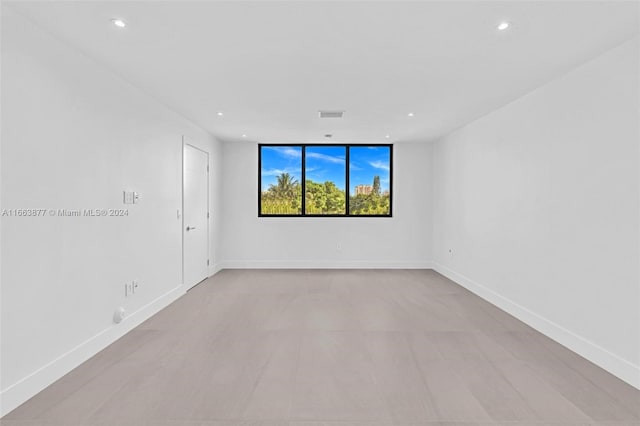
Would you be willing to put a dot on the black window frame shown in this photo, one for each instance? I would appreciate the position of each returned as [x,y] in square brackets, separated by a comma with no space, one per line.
[303,178]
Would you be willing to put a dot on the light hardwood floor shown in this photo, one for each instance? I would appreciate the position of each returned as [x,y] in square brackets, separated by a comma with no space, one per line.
[333,347]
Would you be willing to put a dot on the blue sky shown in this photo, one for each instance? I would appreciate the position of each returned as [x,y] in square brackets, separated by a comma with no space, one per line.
[367,162]
[327,163]
[280,159]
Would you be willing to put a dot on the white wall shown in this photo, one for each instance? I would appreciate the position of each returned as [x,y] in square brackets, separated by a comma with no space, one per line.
[538,200]
[539,203]
[403,241]
[74,136]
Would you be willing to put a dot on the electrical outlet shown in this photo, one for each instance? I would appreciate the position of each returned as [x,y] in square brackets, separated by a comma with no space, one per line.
[339,246]
[451,252]
[134,286]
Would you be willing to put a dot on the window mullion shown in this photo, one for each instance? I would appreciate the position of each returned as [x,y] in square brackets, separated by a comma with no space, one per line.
[304,181]
[346,180]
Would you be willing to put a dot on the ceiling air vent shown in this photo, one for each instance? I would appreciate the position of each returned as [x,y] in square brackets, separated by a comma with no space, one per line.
[330,114]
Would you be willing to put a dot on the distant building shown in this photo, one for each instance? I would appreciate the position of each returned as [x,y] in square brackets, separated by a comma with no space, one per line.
[364,189]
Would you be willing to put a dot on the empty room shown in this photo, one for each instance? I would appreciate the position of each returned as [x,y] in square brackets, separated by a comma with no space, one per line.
[320,213]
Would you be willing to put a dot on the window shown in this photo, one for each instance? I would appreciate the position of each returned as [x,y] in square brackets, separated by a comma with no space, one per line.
[370,180]
[325,180]
[281,180]
[336,180]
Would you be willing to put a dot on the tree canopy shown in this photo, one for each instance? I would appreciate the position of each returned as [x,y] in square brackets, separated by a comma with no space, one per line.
[285,197]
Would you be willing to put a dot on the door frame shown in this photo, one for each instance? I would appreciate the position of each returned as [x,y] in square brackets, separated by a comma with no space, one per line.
[186,142]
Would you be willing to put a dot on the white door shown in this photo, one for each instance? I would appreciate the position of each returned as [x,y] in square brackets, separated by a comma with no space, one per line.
[195,222]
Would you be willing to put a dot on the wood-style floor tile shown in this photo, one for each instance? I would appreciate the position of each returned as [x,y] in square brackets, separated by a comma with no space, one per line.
[333,348]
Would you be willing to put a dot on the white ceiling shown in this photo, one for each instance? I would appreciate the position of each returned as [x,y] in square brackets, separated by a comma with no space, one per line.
[270,66]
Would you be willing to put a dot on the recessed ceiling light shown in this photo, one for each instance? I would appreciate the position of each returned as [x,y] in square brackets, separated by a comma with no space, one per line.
[387,136]
[244,136]
[220,114]
[119,23]
[503,25]
[410,114]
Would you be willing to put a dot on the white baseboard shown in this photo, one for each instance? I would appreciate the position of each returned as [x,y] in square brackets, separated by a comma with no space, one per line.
[20,392]
[609,361]
[26,388]
[323,264]
[214,269]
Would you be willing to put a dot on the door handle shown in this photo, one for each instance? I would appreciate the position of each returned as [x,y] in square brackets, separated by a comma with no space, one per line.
[190,228]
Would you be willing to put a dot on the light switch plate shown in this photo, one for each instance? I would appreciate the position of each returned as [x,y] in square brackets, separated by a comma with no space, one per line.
[129,197]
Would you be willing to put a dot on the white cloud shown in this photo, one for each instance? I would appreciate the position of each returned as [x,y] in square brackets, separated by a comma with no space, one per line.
[379,165]
[324,157]
[287,152]
[291,152]
[276,172]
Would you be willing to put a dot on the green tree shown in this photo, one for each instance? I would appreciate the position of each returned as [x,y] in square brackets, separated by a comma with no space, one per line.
[324,198]
[335,199]
[285,186]
[284,197]
[315,198]
[376,186]
[371,204]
